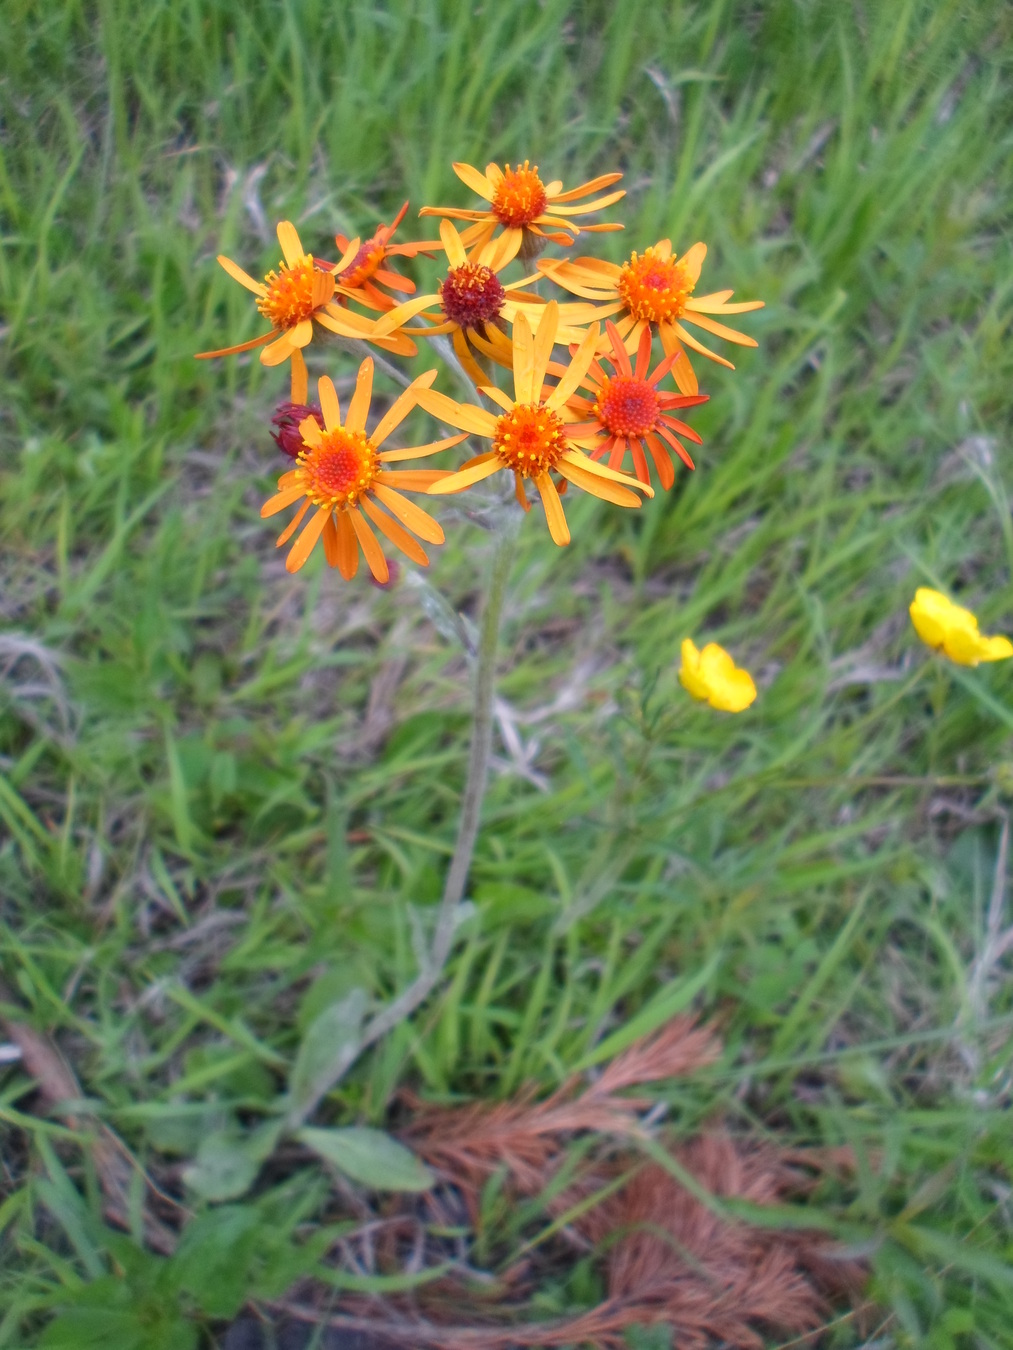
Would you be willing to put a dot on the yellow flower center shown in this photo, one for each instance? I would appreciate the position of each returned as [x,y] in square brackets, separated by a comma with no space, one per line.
[654,288]
[289,297]
[365,264]
[338,470]
[626,406]
[530,439]
[471,294]
[519,197]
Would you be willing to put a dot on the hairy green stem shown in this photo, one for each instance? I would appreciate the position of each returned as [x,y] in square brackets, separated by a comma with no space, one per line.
[468,825]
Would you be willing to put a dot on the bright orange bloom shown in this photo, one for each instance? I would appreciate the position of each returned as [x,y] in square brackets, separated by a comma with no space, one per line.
[628,410]
[529,210]
[291,299]
[656,288]
[473,305]
[340,472]
[361,278]
[530,436]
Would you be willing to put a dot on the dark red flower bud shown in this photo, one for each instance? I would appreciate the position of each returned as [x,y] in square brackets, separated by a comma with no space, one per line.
[395,571]
[287,418]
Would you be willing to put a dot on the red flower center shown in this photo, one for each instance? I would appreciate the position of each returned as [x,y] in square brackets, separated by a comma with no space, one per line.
[654,288]
[339,469]
[519,197]
[626,406]
[365,264]
[530,439]
[471,294]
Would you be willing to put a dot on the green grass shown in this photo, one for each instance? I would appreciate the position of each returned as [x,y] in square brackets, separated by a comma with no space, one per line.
[194,734]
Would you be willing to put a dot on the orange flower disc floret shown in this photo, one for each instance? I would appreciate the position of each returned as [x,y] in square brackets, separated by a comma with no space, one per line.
[530,439]
[627,406]
[365,264]
[338,470]
[519,197]
[654,288]
[471,294]
[289,297]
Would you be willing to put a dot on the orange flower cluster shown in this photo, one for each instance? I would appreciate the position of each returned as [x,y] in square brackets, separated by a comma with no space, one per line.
[596,420]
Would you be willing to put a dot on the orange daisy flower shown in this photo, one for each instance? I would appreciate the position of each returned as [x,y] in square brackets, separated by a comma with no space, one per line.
[340,471]
[530,436]
[472,304]
[529,210]
[291,299]
[656,288]
[362,277]
[628,410]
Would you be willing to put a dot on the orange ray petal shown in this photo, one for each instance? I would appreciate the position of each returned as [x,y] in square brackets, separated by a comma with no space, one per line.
[400,408]
[553,509]
[692,261]
[409,514]
[300,378]
[413,480]
[662,461]
[464,416]
[697,346]
[586,207]
[475,180]
[578,368]
[293,524]
[574,457]
[277,352]
[348,547]
[241,347]
[358,407]
[676,445]
[303,546]
[397,317]
[719,330]
[331,549]
[599,487]
[452,245]
[396,533]
[282,499]
[421,451]
[329,405]
[244,278]
[469,365]
[489,464]
[291,245]
[593,185]
[370,546]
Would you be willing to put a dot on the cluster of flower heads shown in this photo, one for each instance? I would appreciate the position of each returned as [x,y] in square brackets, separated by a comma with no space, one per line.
[597,420]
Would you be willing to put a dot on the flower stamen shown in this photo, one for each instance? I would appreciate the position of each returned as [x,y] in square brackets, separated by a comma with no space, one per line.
[290,294]
[530,439]
[519,197]
[654,288]
[471,294]
[339,468]
[626,406]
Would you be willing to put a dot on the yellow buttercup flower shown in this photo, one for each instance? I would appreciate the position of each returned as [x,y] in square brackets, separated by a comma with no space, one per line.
[953,630]
[713,677]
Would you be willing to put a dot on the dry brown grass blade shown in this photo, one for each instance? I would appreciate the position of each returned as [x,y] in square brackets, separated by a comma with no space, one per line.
[527,1136]
[57,1084]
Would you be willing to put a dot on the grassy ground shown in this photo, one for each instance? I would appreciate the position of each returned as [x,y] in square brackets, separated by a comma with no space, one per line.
[226,791]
